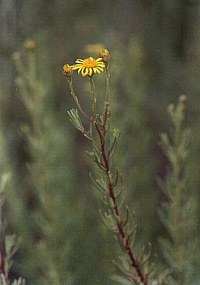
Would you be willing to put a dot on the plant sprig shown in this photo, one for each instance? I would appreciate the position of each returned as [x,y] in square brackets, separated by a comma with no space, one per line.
[176,211]
[135,265]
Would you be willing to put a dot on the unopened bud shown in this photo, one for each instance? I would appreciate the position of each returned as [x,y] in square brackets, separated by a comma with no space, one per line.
[183,99]
[105,55]
[30,44]
[68,69]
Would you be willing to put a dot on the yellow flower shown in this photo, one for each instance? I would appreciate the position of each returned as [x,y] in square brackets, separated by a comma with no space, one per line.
[68,69]
[89,66]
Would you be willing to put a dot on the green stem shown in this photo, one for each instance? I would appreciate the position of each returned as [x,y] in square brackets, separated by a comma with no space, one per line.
[76,98]
[93,94]
[108,76]
[106,114]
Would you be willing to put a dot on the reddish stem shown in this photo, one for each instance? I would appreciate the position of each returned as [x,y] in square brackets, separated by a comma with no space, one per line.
[2,259]
[123,236]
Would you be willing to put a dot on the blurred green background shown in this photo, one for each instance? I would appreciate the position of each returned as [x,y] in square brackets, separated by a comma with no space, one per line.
[155,47]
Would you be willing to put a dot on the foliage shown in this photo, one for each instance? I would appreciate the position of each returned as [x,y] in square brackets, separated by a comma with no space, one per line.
[40,134]
[134,264]
[8,243]
[180,204]
[54,217]
[155,57]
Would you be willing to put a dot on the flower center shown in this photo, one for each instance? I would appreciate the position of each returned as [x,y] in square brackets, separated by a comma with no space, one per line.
[90,62]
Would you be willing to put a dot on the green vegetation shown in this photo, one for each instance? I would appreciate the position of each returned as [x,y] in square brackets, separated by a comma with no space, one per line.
[99,162]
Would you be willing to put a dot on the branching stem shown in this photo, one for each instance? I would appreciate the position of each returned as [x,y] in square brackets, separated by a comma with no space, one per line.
[102,153]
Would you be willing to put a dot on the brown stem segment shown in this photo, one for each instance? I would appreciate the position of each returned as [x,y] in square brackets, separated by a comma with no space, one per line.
[2,261]
[123,236]
[2,247]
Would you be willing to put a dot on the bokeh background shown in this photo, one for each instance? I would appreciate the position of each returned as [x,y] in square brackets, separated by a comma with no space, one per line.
[155,48]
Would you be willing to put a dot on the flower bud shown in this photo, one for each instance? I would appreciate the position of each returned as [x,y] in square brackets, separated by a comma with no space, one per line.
[105,55]
[183,99]
[68,70]
[30,44]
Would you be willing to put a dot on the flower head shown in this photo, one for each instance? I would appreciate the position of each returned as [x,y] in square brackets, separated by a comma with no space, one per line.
[89,66]
[105,55]
[30,44]
[183,99]
[68,69]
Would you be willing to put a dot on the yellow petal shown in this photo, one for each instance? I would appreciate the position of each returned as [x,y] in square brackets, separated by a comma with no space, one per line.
[101,64]
[90,72]
[84,72]
[100,69]
[79,65]
[79,60]
[96,71]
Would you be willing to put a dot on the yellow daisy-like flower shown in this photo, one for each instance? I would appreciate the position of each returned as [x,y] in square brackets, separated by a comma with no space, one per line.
[68,69]
[89,66]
